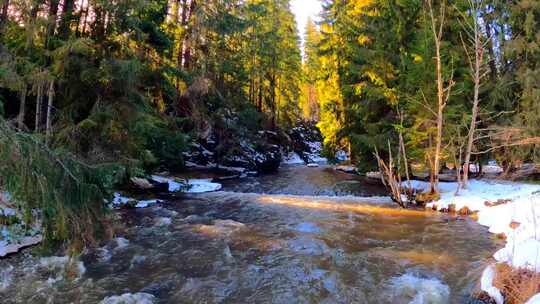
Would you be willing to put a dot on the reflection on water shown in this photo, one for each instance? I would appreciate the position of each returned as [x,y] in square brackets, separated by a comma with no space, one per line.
[302,180]
[229,247]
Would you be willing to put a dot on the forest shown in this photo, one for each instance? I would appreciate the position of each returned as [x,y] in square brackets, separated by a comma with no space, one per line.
[99,96]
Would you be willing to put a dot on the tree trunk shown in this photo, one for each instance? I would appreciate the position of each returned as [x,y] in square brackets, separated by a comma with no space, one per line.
[49,110]
[64,29]
[38,107]
[3,13]
[477,77]
[443,93]
[187,60]
[53,14]
[22,108]
[440,108]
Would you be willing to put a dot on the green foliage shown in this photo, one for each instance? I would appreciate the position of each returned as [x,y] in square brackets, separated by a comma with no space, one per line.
[54,187]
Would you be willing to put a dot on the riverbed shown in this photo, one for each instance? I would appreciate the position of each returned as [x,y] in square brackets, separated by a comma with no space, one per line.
[303,235]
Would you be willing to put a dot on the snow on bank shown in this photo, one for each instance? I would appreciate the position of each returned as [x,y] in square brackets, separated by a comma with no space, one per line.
[508,208]
[189,186]
[486,284]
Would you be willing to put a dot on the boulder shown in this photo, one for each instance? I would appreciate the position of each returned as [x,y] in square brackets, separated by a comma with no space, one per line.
[143,185]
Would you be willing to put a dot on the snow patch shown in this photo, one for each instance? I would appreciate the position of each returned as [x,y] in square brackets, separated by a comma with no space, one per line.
[9,247]
[486,284]
[534,300]
[190,186]
[121,201]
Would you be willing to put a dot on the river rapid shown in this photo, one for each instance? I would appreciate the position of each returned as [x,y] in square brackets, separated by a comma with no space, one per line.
[302,235]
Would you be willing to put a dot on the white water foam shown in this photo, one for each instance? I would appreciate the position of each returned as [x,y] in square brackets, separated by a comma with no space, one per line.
[411,289]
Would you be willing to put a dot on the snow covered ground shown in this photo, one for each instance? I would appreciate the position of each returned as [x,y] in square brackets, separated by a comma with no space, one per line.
[508,208]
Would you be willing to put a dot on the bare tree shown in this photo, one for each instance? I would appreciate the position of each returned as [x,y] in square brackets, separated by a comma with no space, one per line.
[478,70]
[443,93]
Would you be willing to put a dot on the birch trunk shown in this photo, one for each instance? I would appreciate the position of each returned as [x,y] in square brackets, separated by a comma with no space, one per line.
[477,76]
[49,109]
[38,107]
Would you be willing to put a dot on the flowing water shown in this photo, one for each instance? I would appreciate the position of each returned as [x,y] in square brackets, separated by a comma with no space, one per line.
[289,238]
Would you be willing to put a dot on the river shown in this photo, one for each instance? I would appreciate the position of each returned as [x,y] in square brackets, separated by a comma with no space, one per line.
[303,235]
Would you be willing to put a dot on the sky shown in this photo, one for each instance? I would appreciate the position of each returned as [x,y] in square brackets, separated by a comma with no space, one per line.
[303,9]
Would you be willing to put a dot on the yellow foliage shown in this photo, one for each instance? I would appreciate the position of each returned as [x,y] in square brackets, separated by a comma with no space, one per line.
[363,40]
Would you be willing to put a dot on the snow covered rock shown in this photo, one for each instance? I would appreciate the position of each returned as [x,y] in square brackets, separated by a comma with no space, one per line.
[120,201]
[7,248]
[189,186]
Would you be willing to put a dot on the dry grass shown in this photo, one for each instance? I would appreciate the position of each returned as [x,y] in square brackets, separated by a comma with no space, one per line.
[516,285]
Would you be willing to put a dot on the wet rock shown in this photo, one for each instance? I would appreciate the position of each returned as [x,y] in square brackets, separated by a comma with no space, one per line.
[268,161]
[130,298]
[497,203]
[162,221]
[305,140]
[197,219]
[143,185]
[347,169]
